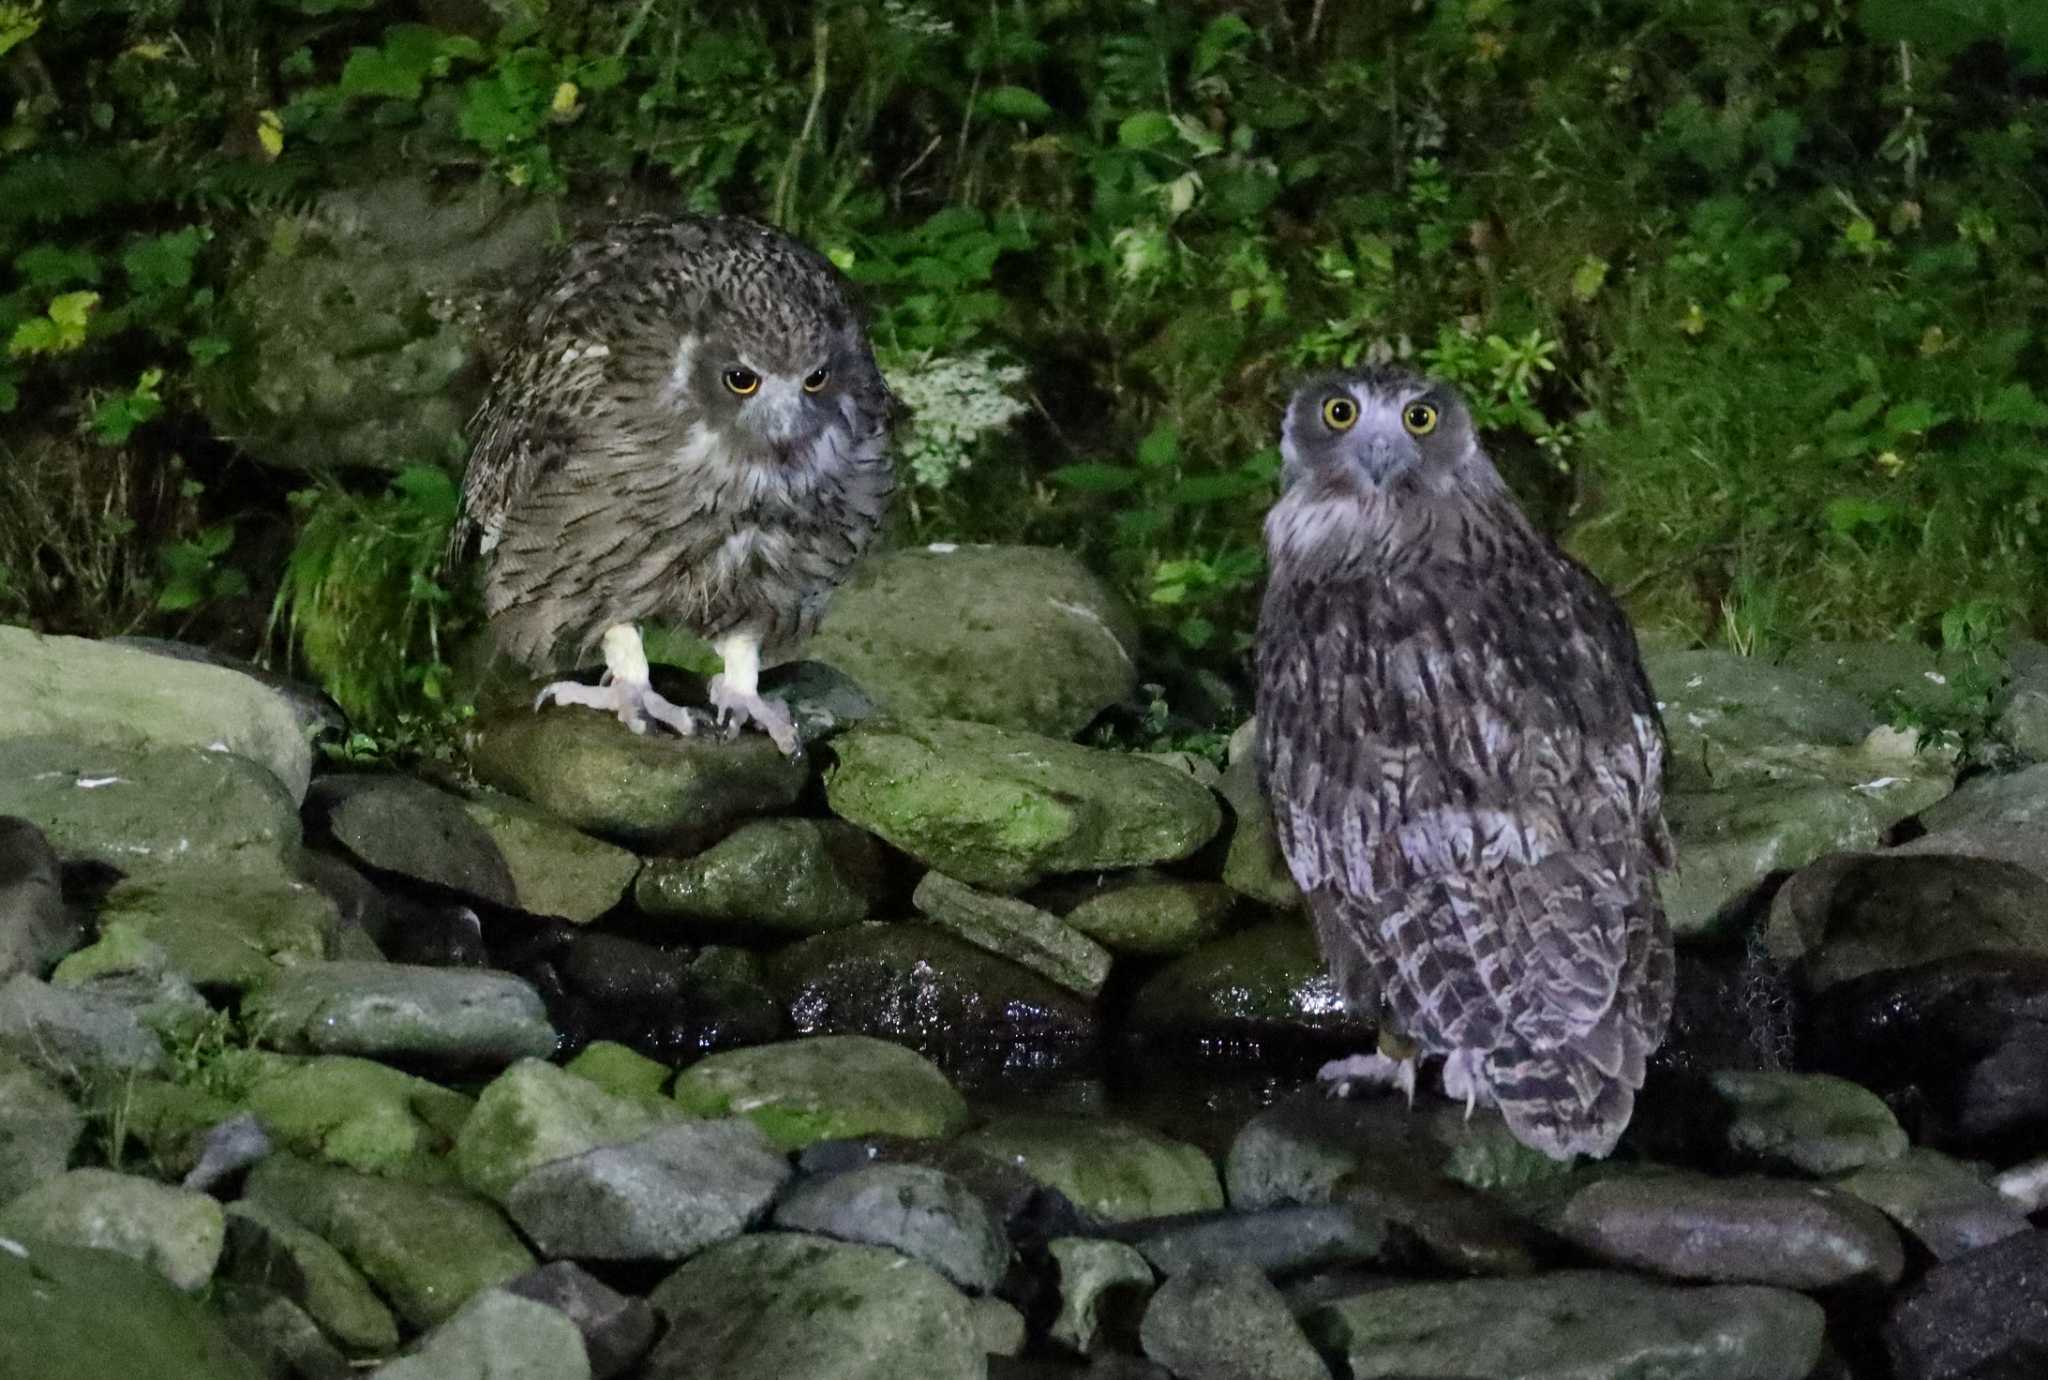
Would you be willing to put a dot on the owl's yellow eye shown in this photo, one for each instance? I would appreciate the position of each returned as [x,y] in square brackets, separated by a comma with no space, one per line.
[1340,413]
[1420,418]
[744,382]
[816,380]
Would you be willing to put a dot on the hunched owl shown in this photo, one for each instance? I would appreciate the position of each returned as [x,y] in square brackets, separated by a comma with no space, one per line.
[688,426]
[1465,764]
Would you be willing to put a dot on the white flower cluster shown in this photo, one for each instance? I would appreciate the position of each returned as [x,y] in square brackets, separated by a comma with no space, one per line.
[915,20]
[954,401]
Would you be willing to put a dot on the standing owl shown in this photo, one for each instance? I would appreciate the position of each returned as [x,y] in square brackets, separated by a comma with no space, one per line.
[1465,764]
[689,426]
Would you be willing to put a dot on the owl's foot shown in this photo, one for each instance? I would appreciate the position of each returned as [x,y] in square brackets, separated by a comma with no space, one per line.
[633,701]
[1341,1077]
[1464,1080]
[738,707]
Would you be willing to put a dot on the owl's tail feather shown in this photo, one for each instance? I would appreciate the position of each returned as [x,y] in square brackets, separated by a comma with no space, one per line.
[1561,1101]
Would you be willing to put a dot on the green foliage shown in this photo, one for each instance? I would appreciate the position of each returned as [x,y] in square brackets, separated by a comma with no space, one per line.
[1748,296]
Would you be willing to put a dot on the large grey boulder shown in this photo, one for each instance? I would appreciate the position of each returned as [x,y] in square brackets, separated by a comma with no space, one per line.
[922,1212]
[771,877]
[1224,1321]
[265,1248]
[1115,1170]
[825,1088]
[67,1033]
[449,1016]
[76,1313]
[178,1232]
[104,695]
[497,1335]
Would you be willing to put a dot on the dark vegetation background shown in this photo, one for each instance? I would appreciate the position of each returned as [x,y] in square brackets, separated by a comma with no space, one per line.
[1750,295]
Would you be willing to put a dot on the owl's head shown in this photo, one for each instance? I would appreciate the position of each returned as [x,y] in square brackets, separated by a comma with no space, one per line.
[1376,431]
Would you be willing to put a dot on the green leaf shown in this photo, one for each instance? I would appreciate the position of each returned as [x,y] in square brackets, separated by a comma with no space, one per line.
[1093,478]
[1014,103]
[163,263]
[1225,33]
[1214,488]
[1161,448]
[1913,417]
[1145,130]
[208,349]
[2015,405]
[50,265]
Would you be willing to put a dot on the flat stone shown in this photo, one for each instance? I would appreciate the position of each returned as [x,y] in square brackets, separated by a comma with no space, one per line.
[148,809]
[1944,1205]
[75,1313]
[36,929]
[231,932]
[114,697]
[1854,913]
[1016,930]
[1813,1122]
[1020,636]
[1982,1314]
[39,1128]
[2014,804]
[1104,1286]
[1267,982]
[534,1113]
[1285,1240]
[1114,1170]
[825,1088]
[654,790]
[617,1328]
[496,1336]
[62,1031]
[1000,809]
[1741,701]
[663,1196]
[356,1113]
[1224,1321]
[1156,916]
[925,988]
[426,1249]
[266,1248]
[770,878]
[176,1232]
[555,870]
[448,1016]
[1734,1231]
[925,1214]
[781,1306]
[400,824]
[1572,1325]
[277,1334]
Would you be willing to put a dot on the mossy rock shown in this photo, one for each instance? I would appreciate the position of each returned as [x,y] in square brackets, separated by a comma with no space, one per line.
[1114,1170]
[825,1088]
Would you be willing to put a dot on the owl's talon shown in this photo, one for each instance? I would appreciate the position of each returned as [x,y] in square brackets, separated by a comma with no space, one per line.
[1463,1079]
[736,708]
[1340,1076]
[633,702]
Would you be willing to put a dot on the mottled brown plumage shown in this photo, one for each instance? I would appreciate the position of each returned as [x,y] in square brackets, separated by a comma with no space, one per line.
[688,427]
[1465,763]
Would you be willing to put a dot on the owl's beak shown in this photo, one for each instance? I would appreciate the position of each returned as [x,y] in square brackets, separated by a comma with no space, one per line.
[778,415]
[1383,455]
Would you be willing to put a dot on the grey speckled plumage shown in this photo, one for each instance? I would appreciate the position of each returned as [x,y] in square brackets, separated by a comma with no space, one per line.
[617,478]
[1465,762]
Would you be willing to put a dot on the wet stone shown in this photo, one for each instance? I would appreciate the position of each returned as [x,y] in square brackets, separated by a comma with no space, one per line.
[654,790]
[1572,1325]
[1021,636]
[1734,1231]
[825,1087]
[1812,1122]
[617,1328]
[398,824]
[919,1211]
[782,1306]
[662,1196]
[1944,1205]
[426,1249]
[267,1249]
[555,870]
[1000,809]
[667,1003]
[1153,915]
[451,1017]
[178,1233]
[770,878]
[1223,1321]
[534,1113]
[79,1314]
[1278,1241]
[925,988]
[1961,1042]
[1103,1289]
[1016,930]
[1263,983]
[1114,1170]
[496,1336]
[1982,1314]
